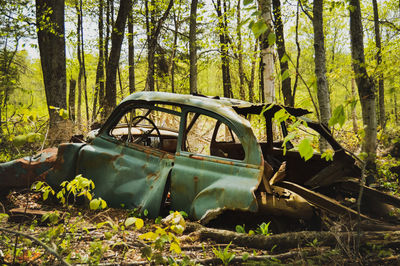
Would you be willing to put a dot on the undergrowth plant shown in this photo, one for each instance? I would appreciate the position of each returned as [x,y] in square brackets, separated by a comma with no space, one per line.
[224,254]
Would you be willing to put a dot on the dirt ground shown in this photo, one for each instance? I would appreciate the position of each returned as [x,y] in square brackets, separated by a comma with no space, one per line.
[79,235]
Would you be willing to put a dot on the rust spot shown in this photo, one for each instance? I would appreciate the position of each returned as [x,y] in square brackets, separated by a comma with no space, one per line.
[196,182]
[154,176]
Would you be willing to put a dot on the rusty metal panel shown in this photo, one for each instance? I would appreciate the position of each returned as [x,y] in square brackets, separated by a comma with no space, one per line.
[201,183]
[127,175]
[21,173]
[65,164]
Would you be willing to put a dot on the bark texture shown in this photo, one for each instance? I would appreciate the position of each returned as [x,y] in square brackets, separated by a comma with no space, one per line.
[267,57]
[193,46]
[240,53]
[153,30]
[224,46]
[288,97]
[99,92]
[51,39]
[131,54]
[366,90]
[320,67]
[117,37]
[381,88]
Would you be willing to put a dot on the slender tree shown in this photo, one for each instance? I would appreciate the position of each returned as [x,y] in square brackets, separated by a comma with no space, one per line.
[242,75]
[288,97]
[320,67]
[193,47]
[99,91]
[153,30]
[131,54]
[117,37]
[267,58]
[381,88]
[71,99]
[224,47]
[366,90]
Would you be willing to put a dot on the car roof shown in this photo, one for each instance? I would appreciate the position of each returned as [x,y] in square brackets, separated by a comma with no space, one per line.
[214,103]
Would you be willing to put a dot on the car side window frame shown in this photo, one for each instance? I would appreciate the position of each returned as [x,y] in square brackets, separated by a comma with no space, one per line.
[118,113]
[183,134]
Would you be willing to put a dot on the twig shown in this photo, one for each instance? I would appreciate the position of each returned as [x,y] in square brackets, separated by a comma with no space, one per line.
[34,239]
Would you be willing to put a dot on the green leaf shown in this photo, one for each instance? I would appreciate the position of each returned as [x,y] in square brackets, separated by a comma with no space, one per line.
[129,221]
[338,116]
[285,74]
[259,28]
[247,2]
[271,38]
[305,149]
[94,204]
[19,140]
[174,247]
[285,58]
[281,116]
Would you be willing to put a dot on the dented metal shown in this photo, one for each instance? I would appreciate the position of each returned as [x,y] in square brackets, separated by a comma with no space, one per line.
[140,159]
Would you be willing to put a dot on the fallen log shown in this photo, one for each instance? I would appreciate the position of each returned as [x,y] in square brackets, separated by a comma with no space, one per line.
[292,240]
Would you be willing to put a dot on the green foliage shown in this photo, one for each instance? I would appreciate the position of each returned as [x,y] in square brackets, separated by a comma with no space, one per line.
[263,229]
[305,149]
[158,238]
[44,188]
[240,229]
[338,116]
[224,255]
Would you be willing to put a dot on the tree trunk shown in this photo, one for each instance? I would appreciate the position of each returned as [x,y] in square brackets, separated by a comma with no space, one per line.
[320,68]
[174,48]
[193,47]
[83,64]
[117,37]
[296,79]
[71,99]
[267,57]
[99,93]
[381,88]
[365,86]
[79,55]
[288,98]
[253,73]
[131,54]
[353,109]
[240,53]
[51,40]
[223,38]
[153,29]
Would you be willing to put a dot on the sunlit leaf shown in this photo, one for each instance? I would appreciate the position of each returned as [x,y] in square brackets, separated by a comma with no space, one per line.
[305,149]
[259,28]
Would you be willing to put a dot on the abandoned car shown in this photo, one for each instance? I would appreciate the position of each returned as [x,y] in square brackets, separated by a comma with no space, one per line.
[162,151]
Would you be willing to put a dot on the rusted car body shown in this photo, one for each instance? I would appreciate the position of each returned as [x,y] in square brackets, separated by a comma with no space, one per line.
[162,151]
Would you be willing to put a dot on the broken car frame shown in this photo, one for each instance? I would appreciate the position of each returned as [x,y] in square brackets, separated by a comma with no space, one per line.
[159,151]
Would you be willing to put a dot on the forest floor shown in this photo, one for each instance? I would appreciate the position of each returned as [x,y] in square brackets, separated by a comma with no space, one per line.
[77,235]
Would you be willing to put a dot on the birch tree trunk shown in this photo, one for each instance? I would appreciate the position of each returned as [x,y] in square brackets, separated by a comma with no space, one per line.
[267,57]
[320,68]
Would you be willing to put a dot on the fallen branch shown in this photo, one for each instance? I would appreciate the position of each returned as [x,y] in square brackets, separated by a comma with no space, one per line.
[34,239]
[291,240]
